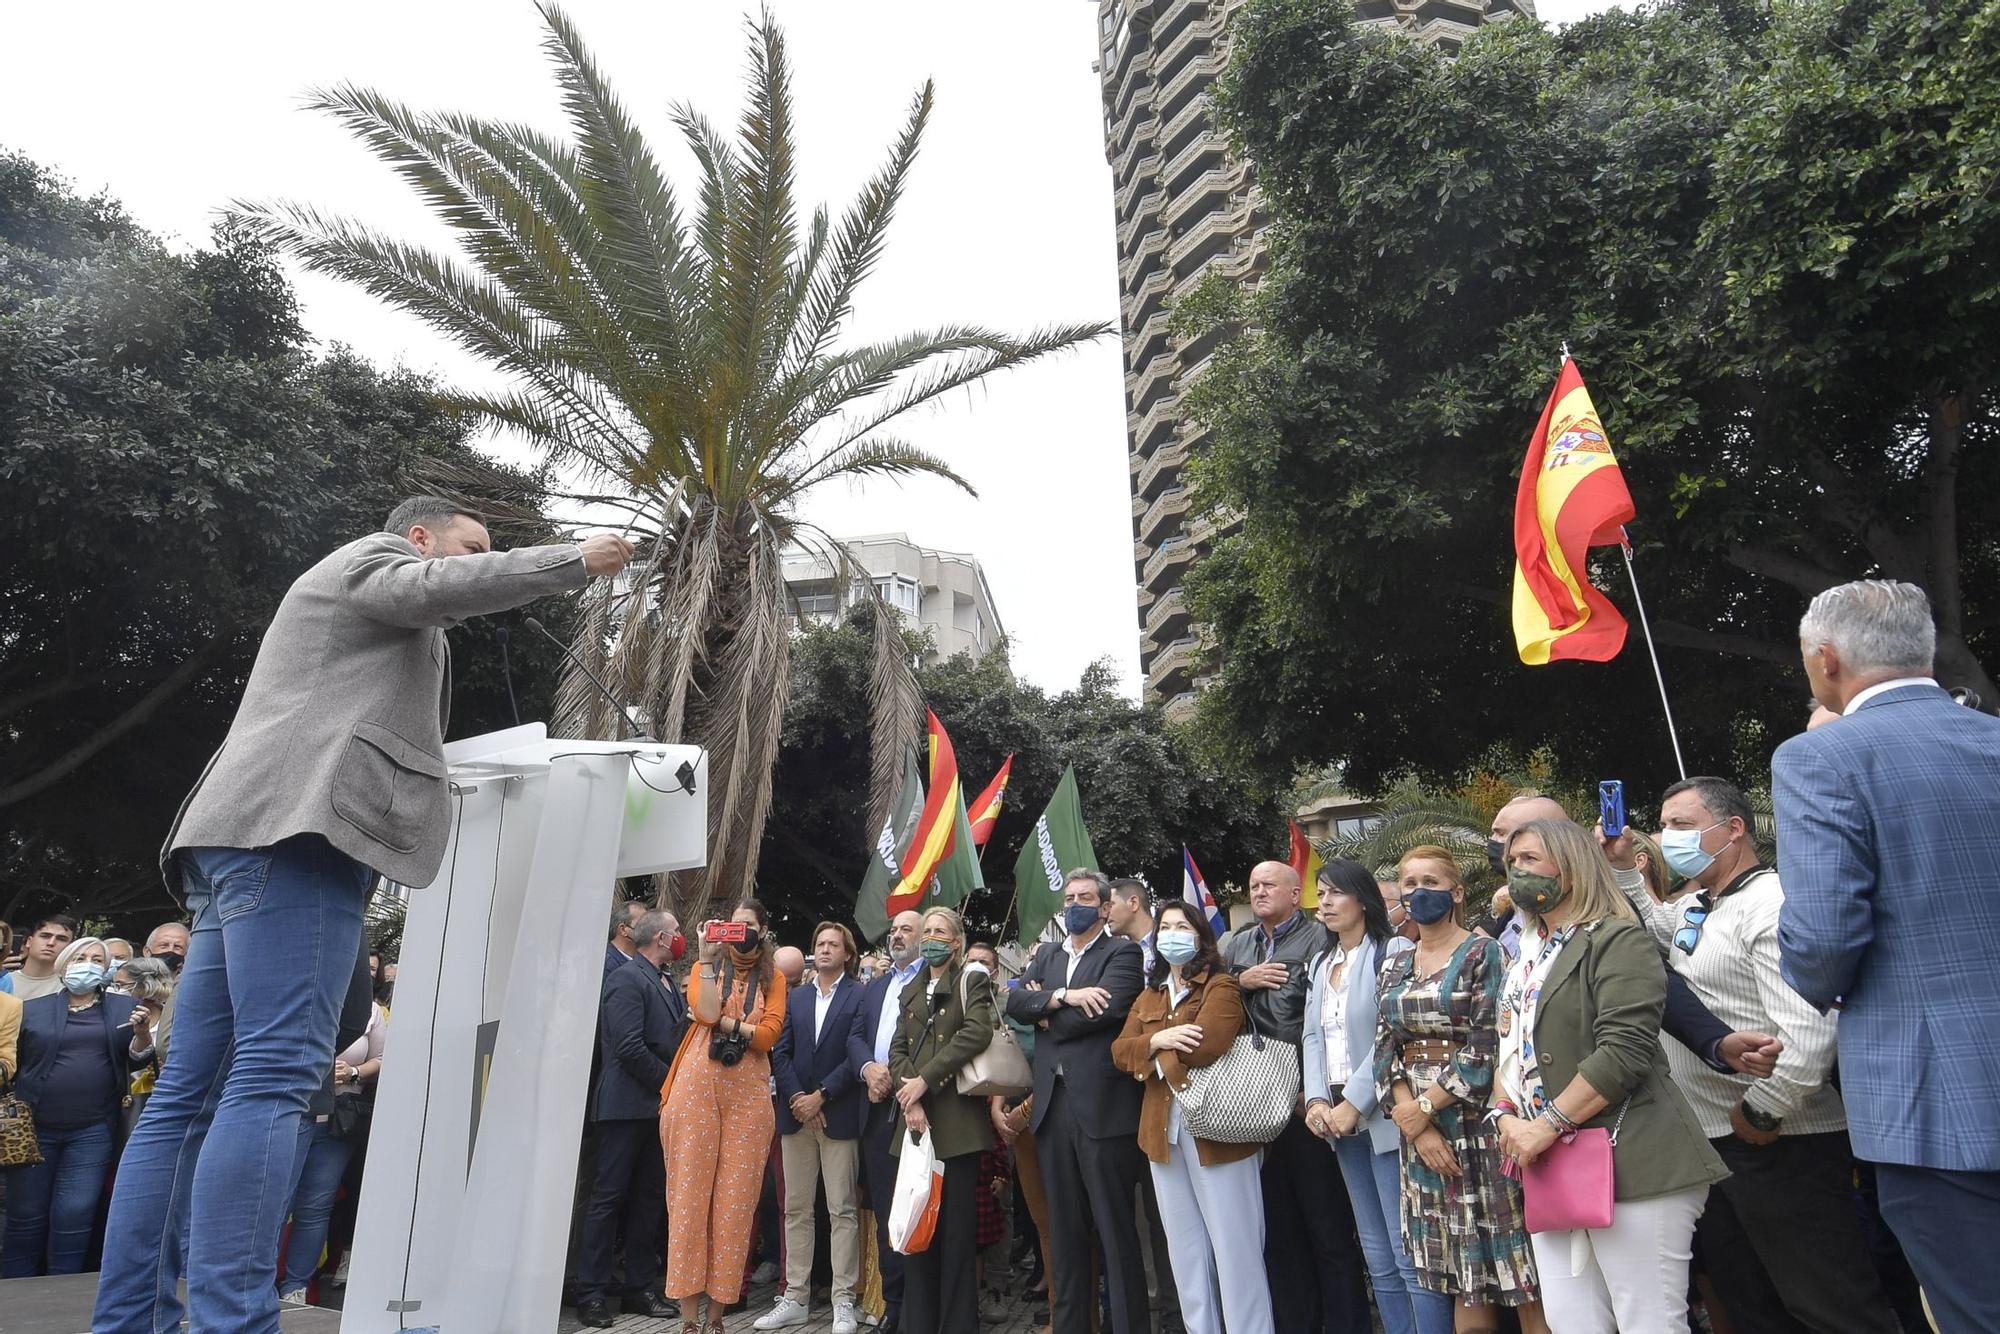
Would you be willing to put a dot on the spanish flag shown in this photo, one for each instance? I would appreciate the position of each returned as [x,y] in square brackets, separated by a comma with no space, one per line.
[1572,498]
[1304,859]
[932,842]
[986,809]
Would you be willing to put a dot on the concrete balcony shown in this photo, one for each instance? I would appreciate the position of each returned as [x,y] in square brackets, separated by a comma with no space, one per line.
[1228,224]
[1173,665]
[1218,189]
[1162,517]
[1154,330]
[1168,58]
[1170,556]
[1167,618]
[1154,427]
[1197,109]
[1180,708]
[1244,259]
[1201,70]
[1139,303]
[1152,473]
[1144,386]
[1211,144]
[1141,177]
[1145,217]
[1150,250]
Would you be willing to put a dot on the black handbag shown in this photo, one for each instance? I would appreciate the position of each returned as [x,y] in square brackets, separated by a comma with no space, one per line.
[351,1117]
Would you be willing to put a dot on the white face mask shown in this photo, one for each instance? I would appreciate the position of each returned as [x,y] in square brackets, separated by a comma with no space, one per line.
[975,966]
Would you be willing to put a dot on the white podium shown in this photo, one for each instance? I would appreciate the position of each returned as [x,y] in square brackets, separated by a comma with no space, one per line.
[471,1172]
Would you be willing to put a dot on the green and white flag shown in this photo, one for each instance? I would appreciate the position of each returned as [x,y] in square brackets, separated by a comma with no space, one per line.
[885,859]
[1058,844]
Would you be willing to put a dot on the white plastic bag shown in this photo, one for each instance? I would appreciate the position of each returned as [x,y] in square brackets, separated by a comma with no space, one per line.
[913,1210]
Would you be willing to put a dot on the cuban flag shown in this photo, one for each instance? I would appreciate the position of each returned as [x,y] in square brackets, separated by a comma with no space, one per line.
[1195,891]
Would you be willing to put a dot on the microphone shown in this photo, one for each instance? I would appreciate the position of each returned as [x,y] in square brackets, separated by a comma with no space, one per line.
[602,689]
[507,672]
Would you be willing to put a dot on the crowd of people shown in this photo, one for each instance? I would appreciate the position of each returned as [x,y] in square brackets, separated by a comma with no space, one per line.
[1660,1080]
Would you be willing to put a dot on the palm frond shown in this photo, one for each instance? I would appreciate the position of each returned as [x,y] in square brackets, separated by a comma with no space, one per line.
[1004,355]
[895,709]
[879,457]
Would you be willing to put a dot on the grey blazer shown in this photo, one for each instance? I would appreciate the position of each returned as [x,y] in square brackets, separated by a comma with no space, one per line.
[1363,970]
[341,728]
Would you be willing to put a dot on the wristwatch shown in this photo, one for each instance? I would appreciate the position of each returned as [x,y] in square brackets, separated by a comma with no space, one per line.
[1424,1105]
[1763,1122]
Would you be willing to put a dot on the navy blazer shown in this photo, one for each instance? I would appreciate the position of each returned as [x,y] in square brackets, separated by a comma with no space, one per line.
[800,1067]
[861,1049]
[639,1027]
[1888,840]
[1107,1100]
[43,1020]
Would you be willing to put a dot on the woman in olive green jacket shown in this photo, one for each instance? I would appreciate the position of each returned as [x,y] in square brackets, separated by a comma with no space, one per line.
[1579,1025]
[946,1021]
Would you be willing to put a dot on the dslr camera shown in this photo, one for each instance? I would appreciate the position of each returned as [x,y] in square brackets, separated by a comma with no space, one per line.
[727,1048]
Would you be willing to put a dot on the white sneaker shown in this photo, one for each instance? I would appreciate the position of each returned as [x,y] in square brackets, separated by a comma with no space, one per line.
[289,1299]
[846,1320]
[783,1316]
[765,1273]
[339,1279]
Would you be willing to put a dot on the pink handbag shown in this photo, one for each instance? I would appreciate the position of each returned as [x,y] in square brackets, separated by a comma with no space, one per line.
[1571,1185]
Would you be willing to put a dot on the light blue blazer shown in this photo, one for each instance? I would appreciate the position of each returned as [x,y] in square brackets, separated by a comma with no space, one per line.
[1363,970]
[1889,845]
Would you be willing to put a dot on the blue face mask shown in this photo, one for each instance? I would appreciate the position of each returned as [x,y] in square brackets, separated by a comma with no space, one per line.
[1427,905]
[81,977]
[1683,851]
[1177,946]
[1081,917]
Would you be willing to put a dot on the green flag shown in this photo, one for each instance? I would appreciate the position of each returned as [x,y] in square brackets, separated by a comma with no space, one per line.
[958,875]
[885,859]
[1058,844]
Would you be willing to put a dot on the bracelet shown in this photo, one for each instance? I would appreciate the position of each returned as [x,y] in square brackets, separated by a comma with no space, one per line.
[1555,1116]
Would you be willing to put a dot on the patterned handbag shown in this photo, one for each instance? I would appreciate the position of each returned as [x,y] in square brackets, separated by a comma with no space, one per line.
[1248,1095]
[18,1145]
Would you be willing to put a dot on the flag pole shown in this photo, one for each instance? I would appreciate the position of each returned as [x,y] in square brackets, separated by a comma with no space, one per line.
[1673,734]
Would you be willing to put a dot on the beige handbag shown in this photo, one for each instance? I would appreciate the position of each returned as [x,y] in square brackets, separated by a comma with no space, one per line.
[1002,1069]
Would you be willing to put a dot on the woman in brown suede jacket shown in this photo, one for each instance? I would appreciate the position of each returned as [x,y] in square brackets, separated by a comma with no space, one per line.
[1211,1202]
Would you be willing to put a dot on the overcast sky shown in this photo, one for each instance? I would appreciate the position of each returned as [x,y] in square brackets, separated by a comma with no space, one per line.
[179,109]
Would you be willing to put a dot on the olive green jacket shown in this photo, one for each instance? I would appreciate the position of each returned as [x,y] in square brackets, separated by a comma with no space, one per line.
[936,1046]
[1599,1017]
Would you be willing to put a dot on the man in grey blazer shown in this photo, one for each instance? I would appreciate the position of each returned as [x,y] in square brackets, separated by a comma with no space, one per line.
[332,773]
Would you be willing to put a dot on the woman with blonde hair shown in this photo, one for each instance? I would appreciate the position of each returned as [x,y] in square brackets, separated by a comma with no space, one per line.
[717,1118]
[947,1019]
[1436,1039]
[1580,1023]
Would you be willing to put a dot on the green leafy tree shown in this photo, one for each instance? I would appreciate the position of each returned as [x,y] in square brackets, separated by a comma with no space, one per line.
[1145,788]
[171,458]
[1771,237]
[686,367]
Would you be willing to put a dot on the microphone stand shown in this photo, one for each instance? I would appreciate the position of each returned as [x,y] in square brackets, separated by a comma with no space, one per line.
[636,734]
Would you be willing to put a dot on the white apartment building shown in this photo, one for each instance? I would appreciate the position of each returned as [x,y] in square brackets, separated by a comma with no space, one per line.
[943,592]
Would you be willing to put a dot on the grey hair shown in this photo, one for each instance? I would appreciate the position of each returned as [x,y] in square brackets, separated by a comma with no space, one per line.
[652,926]
[429,511]
[1876,625]
[1098,878]
[1723,799]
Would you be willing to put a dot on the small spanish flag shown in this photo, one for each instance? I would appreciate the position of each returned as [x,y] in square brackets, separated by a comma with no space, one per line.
[933,838]
[1304,859]
[1572,498]
[986,809]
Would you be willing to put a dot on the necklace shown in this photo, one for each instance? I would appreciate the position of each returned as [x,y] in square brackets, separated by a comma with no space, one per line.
[1424,970]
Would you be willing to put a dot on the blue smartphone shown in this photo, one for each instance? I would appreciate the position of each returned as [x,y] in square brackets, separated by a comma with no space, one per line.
[1611,806]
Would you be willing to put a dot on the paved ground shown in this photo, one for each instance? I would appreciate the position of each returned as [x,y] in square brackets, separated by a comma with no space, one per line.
[1019,1318]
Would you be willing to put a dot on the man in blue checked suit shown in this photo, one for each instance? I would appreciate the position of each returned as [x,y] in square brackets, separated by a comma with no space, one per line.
[1889,845]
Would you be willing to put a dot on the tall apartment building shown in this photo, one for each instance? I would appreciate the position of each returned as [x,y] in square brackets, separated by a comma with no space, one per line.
[1185,207]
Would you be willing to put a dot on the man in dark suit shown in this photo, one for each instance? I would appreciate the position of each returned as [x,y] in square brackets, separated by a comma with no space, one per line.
[819,1124]
[622,947]
[1086,1117]
[639,1025]
[1887,845]
[868,1058]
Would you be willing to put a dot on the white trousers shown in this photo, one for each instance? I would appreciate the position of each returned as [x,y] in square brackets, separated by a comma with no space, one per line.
[812,1157]
[1631,1276]
[1214,1217]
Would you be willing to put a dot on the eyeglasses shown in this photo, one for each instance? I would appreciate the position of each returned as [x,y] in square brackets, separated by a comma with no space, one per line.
[1692,918]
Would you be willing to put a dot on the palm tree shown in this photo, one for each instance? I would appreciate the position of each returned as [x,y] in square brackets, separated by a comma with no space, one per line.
[684,370]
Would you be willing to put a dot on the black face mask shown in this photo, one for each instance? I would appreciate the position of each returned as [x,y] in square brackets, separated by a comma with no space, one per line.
[172,959]
[752,938]
[1496,856]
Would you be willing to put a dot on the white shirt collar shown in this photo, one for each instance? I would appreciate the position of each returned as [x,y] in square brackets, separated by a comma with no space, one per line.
[1069,945]
[825,993]
[1884,687]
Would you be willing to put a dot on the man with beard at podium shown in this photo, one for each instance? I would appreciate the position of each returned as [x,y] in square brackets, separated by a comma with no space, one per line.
[332,773]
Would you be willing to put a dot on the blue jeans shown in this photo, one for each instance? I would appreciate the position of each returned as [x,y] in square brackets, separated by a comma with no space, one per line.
[324,1162]
[276,934]
[1375,1185]
[52,1206]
